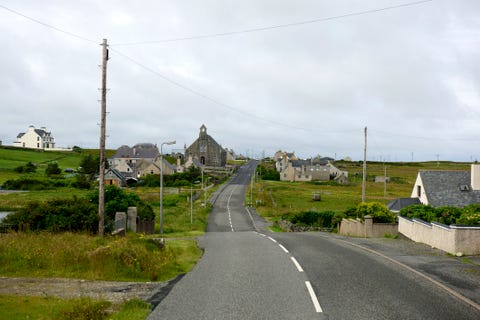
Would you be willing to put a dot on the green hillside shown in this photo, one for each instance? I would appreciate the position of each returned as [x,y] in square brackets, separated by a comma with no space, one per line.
[11,158]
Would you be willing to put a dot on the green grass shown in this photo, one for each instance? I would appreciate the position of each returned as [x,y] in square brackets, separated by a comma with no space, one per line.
[29,307]
[279,197]
[10,158]
[177,211]
[71,255]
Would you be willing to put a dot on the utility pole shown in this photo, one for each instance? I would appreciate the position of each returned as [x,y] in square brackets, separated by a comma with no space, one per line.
[101,188]
[364,182]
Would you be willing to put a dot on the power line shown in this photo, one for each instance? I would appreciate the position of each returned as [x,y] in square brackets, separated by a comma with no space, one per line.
[286,25]
[48,25]
[199,94]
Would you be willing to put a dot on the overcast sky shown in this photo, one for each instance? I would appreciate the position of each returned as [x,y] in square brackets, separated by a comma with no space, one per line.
[305,75]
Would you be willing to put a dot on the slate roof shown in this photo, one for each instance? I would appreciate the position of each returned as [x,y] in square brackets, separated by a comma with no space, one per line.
[443,188]
[397,204]
[139,151]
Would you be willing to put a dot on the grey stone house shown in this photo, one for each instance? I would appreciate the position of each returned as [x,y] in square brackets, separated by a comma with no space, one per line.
[206,150]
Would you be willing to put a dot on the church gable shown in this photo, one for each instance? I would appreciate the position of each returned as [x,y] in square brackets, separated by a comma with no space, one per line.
[207,150]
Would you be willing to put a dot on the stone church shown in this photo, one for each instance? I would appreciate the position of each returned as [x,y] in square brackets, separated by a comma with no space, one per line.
[206,150]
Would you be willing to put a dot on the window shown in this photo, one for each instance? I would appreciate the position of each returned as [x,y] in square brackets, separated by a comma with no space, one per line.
[419,191]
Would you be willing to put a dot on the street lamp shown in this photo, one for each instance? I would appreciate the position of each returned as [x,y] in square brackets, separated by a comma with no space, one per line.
[161,182]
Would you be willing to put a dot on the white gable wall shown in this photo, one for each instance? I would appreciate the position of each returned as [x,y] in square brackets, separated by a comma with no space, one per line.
[419,191]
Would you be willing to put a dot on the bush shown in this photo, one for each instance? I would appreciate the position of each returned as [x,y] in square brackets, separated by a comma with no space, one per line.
[118,200]
[27,184]
[419,211]
[321,219]
[52,169]
[56,215]
[378,211]
[470,215]
[28,168]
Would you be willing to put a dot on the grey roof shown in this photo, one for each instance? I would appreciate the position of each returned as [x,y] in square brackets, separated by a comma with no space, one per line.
[400,203]
[443,188]
[139,151]
[40,132]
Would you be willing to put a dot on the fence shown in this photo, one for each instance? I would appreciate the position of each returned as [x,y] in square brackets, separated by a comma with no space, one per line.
[367,229]
[452,239]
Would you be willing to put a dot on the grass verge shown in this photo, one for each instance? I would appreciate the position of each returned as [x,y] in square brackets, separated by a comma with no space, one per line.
[26,307]
[71,255]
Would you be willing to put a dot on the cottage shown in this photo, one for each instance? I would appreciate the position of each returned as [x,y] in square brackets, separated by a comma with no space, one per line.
[448,188]
[35,139]
[444,188]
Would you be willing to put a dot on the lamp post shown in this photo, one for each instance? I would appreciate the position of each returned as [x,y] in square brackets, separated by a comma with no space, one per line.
[161,182]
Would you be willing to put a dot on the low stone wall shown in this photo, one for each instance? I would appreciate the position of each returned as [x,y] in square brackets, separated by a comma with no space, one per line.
[367,229]
[452,239]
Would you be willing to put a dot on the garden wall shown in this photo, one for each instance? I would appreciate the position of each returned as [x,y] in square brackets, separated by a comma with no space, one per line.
[367,229]
[452,239]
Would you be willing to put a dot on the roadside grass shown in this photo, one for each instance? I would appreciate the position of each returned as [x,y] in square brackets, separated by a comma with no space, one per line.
[81,256]
[179,218]
[30,307]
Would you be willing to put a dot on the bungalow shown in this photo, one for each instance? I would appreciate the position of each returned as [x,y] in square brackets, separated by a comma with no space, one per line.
[443,188]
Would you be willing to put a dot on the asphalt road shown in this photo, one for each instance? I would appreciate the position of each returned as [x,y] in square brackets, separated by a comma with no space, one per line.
[249,273]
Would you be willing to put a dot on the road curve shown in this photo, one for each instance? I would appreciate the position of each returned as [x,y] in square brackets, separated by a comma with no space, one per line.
[242,274]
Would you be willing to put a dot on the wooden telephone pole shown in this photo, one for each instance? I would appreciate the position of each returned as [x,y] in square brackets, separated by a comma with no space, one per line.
[101,188]
[364,181]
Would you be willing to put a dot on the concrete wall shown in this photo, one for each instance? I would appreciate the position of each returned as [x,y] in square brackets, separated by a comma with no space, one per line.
[367,229]
[452,239]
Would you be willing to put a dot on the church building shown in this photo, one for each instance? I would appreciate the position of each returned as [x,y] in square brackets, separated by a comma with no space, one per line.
[206,150]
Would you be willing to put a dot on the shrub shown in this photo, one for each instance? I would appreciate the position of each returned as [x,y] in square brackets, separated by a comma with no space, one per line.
[52,169]
[28,168]
[470,215]
[56,215]
[447,215]
[378,211]
[27,184]
[321,219]
[118,200]
[419,211]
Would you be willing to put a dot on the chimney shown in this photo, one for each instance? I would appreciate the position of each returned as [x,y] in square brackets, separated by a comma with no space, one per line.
[475,177]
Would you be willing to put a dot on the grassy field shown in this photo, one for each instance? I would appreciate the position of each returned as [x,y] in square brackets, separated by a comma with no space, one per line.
[274,198]
[69,255]
[49,308]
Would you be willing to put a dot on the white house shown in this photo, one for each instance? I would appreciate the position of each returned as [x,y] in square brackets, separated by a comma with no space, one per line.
[448,188]
[35,139]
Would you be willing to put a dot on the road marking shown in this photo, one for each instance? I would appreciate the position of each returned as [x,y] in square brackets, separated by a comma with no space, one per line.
[313,296]
[295,262]
[283,248]
[251,218]
[228,208]
[272,239]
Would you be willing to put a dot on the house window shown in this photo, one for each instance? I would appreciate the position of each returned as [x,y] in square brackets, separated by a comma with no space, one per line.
[419,191]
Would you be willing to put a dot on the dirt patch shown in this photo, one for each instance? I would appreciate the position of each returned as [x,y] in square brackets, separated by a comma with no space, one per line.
[116,292]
